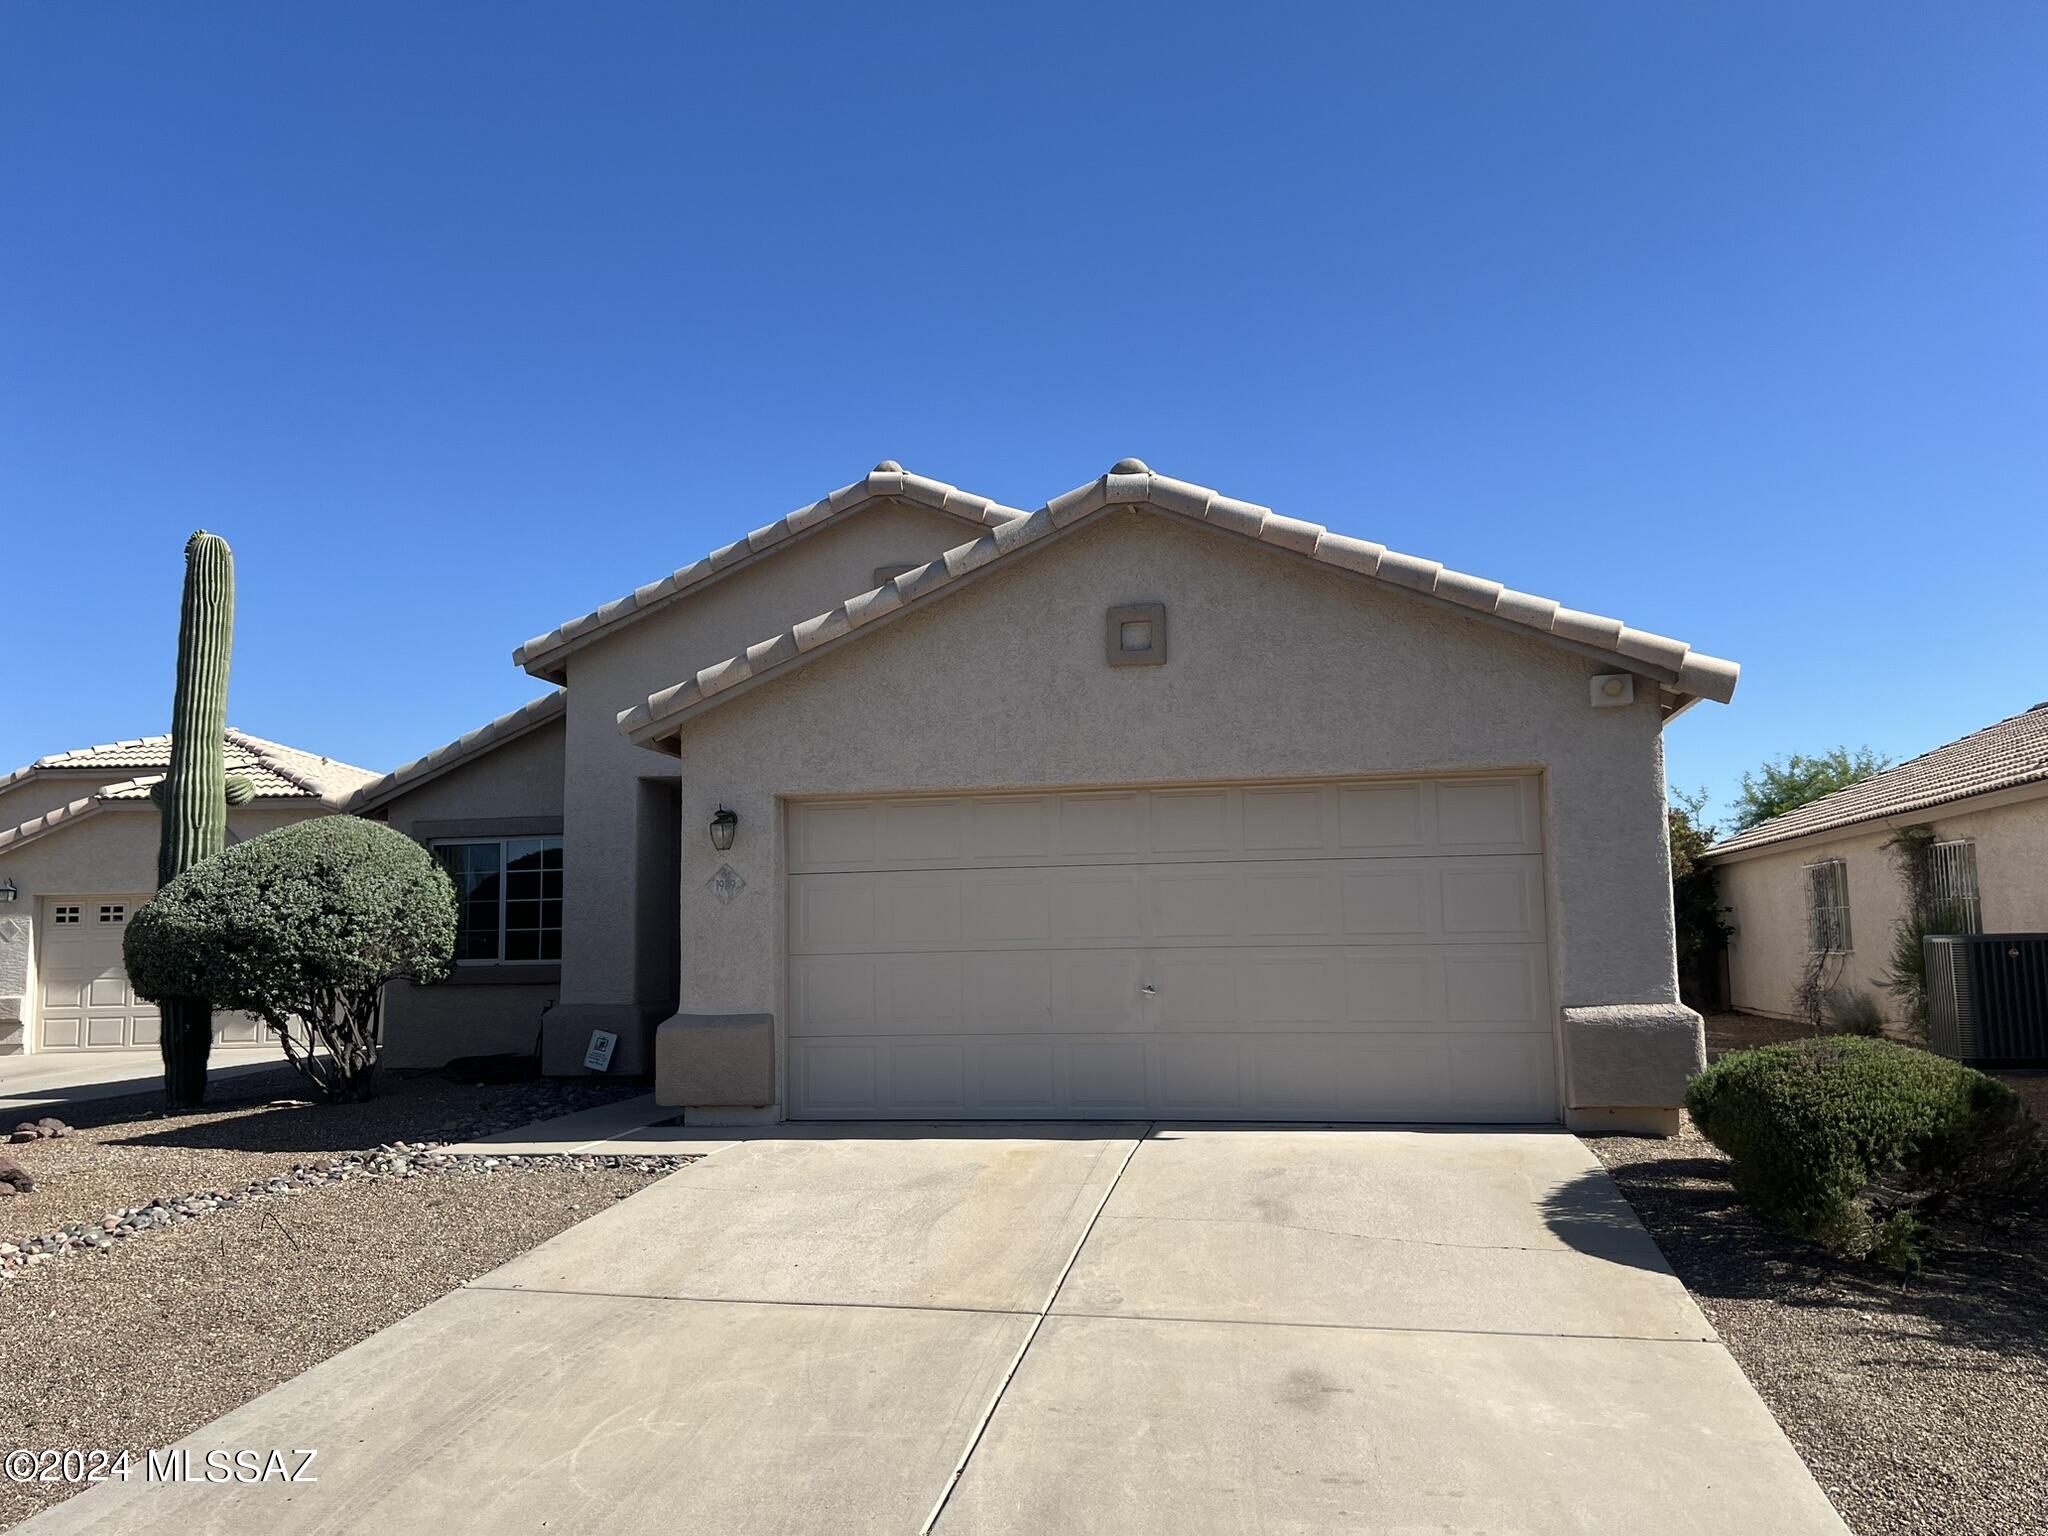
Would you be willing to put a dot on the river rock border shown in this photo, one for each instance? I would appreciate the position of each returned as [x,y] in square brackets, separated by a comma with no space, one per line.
[392,1161]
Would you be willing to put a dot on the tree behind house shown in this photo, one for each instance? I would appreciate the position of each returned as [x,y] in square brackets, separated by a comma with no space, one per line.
[1786,783]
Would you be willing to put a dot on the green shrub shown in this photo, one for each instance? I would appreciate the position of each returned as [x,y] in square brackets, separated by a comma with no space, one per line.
[302,925]
[1853,1011]
[1834,1139]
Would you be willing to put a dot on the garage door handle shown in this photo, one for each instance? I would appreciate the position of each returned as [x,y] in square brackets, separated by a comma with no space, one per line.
[1149,991]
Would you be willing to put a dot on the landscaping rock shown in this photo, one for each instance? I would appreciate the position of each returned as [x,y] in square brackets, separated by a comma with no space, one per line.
[17,1179]
[22,1136]
[49,1125]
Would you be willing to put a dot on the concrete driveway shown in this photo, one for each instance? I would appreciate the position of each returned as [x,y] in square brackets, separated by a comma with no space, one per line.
[1043,1329]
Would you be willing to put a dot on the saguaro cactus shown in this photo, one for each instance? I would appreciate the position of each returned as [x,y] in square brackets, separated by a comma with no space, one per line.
[194,794]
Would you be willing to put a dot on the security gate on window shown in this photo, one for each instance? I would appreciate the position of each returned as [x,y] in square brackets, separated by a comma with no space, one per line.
[1363,951]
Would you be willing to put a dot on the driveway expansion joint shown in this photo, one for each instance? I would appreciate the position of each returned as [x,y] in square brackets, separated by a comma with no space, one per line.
[1017,1361]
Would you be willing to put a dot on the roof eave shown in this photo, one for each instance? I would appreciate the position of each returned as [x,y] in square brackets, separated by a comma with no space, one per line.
[1683,674]
[545,656]
[514,725]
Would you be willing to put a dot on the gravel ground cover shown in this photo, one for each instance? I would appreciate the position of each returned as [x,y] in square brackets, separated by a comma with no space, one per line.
[1922,1407]
[125,1152]
[140,1345]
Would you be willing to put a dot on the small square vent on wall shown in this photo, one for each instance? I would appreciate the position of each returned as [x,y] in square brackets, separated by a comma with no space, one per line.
[1135,635]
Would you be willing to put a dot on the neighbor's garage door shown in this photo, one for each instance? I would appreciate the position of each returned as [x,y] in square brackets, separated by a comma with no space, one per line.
[84,999]
[1369,950]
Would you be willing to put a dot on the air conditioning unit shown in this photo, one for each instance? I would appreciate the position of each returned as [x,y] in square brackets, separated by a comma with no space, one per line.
[1987,997]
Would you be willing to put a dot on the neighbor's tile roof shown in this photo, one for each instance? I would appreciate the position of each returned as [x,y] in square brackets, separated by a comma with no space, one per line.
[507,727]
[2003,756]
[276,772]
[1686,674]
[887,481]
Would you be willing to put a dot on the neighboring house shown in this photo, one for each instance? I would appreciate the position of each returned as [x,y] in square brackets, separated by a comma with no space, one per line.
[1146,803]
[1818,880]
[78,848]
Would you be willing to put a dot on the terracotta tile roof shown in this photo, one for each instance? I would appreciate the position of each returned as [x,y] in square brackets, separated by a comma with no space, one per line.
[1686,674]
[278,772]
[2012,753]
[887,481]
[485,738]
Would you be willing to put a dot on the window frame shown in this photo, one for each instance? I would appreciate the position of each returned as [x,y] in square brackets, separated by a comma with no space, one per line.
[1836,906]
[546,841]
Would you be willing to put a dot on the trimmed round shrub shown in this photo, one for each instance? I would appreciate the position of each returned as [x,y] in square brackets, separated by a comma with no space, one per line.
[301,927]
[1853,1143]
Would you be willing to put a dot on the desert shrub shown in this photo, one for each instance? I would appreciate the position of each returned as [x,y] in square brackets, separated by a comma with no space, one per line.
[1835,1139]
[1853,1011]
[305,924]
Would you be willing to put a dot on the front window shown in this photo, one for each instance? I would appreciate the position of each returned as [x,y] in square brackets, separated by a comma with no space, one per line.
[508,899]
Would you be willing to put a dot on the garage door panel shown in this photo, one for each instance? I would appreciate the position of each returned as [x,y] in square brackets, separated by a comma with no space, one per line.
[825,833]
[834,994]
[1017,1076]
[928,1077]
[106,1029]
[1009,828]
[62,1029]
[1195,902]
[1102,988]
[918,911]
[923,990]
[1101,906]
[1492,899]
[1403,819]
[1013,994]
[1096,824]
[1220,952]
[1487,815]
[1009,907]
[922,831]
[1287,820]
[1190,821]
[833,1078]
[1388,901]
[1496,989]
[834,912]
[1108,1076]
[1392,990]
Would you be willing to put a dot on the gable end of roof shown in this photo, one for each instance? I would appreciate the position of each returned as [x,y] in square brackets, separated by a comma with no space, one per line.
[544,655]
[1685,675]
[486,738]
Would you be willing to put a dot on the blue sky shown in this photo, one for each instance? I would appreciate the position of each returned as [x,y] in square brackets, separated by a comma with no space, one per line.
[457,320]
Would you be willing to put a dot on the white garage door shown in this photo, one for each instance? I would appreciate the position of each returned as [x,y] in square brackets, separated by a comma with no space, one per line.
[85,1002]
[1360,951]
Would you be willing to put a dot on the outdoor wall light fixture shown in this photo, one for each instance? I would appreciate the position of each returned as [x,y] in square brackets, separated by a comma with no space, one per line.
[8,890]
[723,825]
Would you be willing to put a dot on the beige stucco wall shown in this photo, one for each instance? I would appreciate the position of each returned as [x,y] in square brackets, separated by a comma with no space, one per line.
[112,851]
[612,917]
[514,790]
[1765,895]
[1277,669]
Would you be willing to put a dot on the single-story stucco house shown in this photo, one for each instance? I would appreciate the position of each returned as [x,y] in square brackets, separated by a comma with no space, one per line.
[1820,876]
[78,848]
[1149,802]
